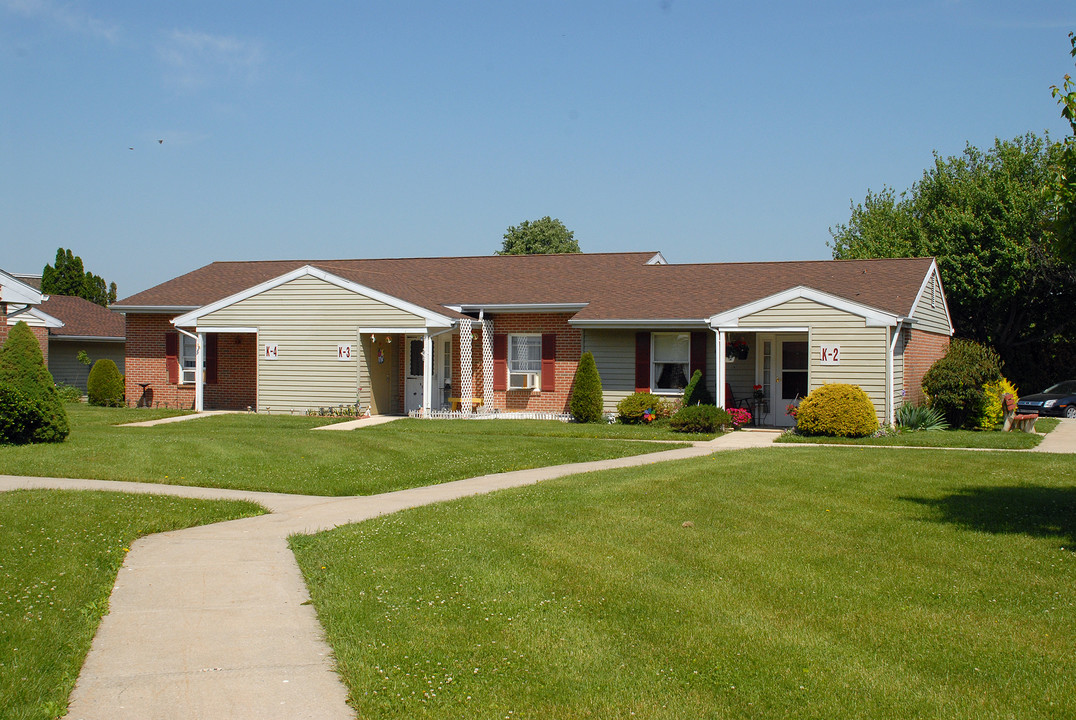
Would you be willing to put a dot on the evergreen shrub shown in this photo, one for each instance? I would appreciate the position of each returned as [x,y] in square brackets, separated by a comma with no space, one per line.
[22,368]
[105,385]
[69,393]
[700,419]
[837,409]
[696,393]
[586,402]
[20,418]
[993,405]
[955,383]
[631,409]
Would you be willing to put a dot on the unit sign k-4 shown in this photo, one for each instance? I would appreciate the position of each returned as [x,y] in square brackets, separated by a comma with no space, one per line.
[271,351]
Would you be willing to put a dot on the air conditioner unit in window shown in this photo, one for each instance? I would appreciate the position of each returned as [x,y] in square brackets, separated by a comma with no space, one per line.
[523,381]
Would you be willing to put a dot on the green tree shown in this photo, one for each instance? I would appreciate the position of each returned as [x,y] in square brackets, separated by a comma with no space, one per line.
[22,369]
[69,277]
[1062,191]
[983,216]
[586,402]
[541,237]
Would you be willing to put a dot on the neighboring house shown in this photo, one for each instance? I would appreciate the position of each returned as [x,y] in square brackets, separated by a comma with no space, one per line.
[20,300]
[402,335]
[87,327]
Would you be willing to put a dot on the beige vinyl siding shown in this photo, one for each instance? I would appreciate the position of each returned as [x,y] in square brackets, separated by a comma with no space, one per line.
[614,354]
[863,349]
[740,374]
[898,369]
[930,312]
[64,364]
[307,318]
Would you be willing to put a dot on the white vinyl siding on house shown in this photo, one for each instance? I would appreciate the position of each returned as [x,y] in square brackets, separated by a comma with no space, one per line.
[930,312]
[307,318]
[614,355]
[863,349]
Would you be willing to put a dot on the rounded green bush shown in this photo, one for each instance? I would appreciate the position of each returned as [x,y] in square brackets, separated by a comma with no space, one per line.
[955,382]
[105,384]
[22,367]
[839,410]
[630,410]
[20,417]
[699,419]
[586,402]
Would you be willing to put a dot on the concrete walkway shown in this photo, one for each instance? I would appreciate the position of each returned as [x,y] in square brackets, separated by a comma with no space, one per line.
[211,622]
[1061,440]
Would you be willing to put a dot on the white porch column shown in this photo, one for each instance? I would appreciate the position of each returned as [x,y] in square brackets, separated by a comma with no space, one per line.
[199,375]
[487,365]
[466,365]
[427,373]
[719,365]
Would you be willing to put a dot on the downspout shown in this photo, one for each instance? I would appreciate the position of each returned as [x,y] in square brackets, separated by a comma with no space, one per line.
[199,363]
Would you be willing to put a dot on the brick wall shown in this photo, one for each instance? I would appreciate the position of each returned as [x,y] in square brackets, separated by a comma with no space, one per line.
[569,348]
[145,363]
[922,349]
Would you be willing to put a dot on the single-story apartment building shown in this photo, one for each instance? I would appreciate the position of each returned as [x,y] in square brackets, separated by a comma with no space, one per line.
[63,325]
[505,333]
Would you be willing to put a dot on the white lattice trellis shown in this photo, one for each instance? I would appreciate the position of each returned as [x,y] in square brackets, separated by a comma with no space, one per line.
[487,365]
[466,367]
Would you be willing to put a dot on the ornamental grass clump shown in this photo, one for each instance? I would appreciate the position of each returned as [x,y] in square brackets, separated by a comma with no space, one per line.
[104,387]
[586,402]
[839,410]
[23,371]
[912,418]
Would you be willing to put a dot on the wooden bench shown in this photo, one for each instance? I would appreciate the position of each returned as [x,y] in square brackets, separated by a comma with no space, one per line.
[1025,423]
[474,402]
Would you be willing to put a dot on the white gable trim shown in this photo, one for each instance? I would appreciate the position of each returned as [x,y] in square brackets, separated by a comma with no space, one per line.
[872,316]
[432,319]
[932,273]
[13,290]
[41,319]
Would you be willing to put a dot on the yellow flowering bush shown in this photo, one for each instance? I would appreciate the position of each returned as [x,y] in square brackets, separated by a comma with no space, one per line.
[994,408]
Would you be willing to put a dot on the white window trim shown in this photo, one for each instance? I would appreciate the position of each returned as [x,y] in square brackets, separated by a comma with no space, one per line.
[537,386]
[654,389]
[187,375]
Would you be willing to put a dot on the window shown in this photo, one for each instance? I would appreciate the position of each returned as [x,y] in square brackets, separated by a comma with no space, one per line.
[188,359]
[524,361]
[670,360]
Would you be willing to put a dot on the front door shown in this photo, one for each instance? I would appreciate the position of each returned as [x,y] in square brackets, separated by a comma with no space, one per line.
[413,367]
[790,378]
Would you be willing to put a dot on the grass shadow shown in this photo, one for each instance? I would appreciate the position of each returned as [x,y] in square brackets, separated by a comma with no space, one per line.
[1030,510]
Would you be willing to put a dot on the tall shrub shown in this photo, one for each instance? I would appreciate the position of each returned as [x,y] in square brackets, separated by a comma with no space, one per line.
[696,393]
[105,384]
[994,406]
[955,382]
[22,367]
[586,402]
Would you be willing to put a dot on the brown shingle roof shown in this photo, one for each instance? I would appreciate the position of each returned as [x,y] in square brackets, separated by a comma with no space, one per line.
[83,318]
[615,285]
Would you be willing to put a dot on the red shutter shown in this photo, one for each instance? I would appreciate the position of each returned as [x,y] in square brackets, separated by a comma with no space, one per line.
[549,362]
[500,362]
[698,354]
[171,356]
[642,362]
[211,358]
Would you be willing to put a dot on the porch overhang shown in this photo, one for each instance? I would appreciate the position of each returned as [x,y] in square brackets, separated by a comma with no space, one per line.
[873,317]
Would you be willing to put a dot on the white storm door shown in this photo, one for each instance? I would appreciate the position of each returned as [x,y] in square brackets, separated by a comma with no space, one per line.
[792,359]
[413,373]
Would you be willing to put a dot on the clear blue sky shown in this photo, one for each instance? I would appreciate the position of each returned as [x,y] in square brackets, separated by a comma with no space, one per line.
[712,131]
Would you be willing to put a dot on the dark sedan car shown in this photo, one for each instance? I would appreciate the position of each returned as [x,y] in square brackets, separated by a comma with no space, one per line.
[1059,400]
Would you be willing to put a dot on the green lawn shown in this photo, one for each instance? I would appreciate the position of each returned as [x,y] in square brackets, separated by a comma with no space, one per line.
[281,454]
[59,555]
[813,583]
[993,440]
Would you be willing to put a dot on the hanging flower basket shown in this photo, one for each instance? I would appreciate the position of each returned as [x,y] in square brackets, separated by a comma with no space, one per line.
[736,350]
